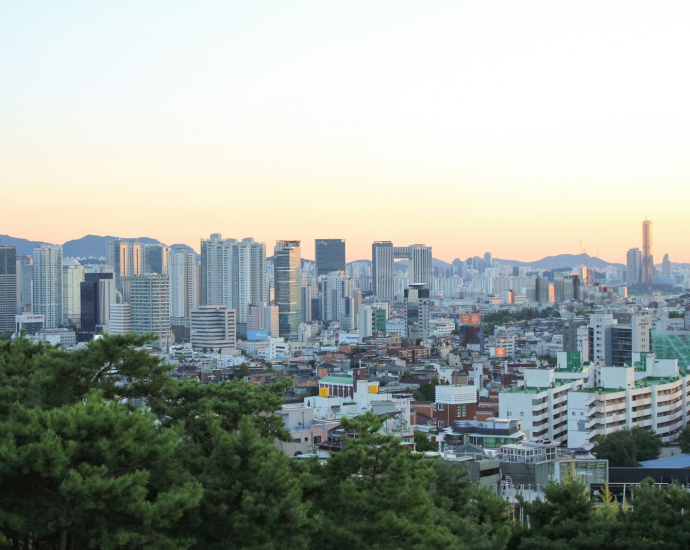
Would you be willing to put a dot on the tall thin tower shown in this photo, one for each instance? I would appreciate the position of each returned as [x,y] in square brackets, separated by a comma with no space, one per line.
[647,257]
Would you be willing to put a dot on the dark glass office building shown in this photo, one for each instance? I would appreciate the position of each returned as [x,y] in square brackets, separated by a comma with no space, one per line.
[330,255]
[8,287]
[90,300]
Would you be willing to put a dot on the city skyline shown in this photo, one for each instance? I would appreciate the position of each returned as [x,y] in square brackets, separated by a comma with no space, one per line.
[521,130]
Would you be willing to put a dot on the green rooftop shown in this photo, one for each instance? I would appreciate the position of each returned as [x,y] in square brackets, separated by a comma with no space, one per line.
[336,380]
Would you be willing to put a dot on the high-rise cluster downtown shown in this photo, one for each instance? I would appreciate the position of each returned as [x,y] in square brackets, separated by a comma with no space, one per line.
[383,256]
[640,269]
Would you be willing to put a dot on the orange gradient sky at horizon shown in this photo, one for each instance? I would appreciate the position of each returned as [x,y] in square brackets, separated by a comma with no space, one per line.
[521,129]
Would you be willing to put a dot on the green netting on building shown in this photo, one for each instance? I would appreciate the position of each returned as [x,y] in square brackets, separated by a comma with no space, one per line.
[672,345]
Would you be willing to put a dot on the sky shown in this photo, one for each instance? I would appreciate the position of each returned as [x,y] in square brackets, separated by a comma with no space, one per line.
[519,128]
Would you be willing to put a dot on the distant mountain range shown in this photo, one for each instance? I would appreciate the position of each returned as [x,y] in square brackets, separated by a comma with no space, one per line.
[94,246]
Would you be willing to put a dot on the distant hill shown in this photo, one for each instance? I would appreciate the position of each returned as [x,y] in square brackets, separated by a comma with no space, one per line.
[561,260]
[24,246]
[94,246]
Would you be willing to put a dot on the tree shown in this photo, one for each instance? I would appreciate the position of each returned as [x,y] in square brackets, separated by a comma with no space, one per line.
[92,475]
[625,448]
[422,442]
[684,440]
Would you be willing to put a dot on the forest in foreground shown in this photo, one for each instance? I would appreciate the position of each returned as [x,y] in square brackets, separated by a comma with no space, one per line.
[198,469]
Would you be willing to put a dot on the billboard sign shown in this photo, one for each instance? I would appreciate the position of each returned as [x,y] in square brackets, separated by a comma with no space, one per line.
[498,352]
[257,335]
[471,319]
[345,338]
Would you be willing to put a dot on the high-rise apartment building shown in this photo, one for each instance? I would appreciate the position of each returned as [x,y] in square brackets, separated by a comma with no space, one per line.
[634,267]
[330,255]
[97,296]
[264,318]
[149,304]
[233,273]
[183,273]
[128,260]
[47,284]
[8,288]
[647,254]
[419,270]
[25,283]
[417,311]
[72,278]
[288,287]
[120,319]
[382,271]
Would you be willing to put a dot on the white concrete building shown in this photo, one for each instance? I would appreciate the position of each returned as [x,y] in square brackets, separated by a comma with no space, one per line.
[183,272]
[213,327]
[72,277]
[120,319]
[47,284]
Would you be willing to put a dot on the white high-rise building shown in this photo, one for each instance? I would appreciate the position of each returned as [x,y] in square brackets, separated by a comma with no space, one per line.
[233,273]
[419,270]
[183,273]
[72,277]
[382,271]
[597,335]
[120,318]
[47,283]
[150,307]
[127,258]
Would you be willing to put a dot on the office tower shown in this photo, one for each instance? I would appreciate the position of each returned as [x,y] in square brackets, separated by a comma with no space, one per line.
[287,279]
[539,290]
[642,333]
[420,265]
[213,328]
[72,278]
[598,326]
[666,267]
[97,295]
[120,319]
[47,284]
[25,283]
[155,258]
[306,304]
[184,285]
[330,255]
[382,272]
[634,266]
[128,260]
[488,260]
[647,254]
[8,287]
[337,291]
[150,305]
[417,311]
[233,273]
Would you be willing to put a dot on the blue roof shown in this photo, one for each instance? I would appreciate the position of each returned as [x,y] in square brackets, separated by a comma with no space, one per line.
[680,461]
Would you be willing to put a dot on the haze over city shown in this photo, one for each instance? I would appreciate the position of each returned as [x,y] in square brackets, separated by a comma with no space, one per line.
[519,128]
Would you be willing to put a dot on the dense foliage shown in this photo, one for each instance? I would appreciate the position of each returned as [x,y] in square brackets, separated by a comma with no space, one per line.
[626,448]
[82,467]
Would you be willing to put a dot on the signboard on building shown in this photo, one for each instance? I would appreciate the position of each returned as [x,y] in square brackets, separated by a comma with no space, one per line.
[347,338]
[257,335]
[499,352]
[573,360]
[471,319]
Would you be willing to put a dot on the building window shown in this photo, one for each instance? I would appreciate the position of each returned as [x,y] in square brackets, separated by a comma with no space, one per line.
[441,425]
[440,406]
[462,411]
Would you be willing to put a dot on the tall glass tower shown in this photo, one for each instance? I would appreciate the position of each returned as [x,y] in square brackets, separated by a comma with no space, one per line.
[647,257]
[48,284]
[8,287]
[330,256]
[288,287]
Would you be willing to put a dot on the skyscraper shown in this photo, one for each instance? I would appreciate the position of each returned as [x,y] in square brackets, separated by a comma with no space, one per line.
[330,255]
[25,283]
[127,258]
[47,291]
[634,266]
[8,288]
[419,271]
[97,295]
[288,286]
[72,278]
[417,311]
[647,254]
[149,305]
[666,267]
[233,274]
[183,273]
[155,258]
[337,294]
[382,272]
